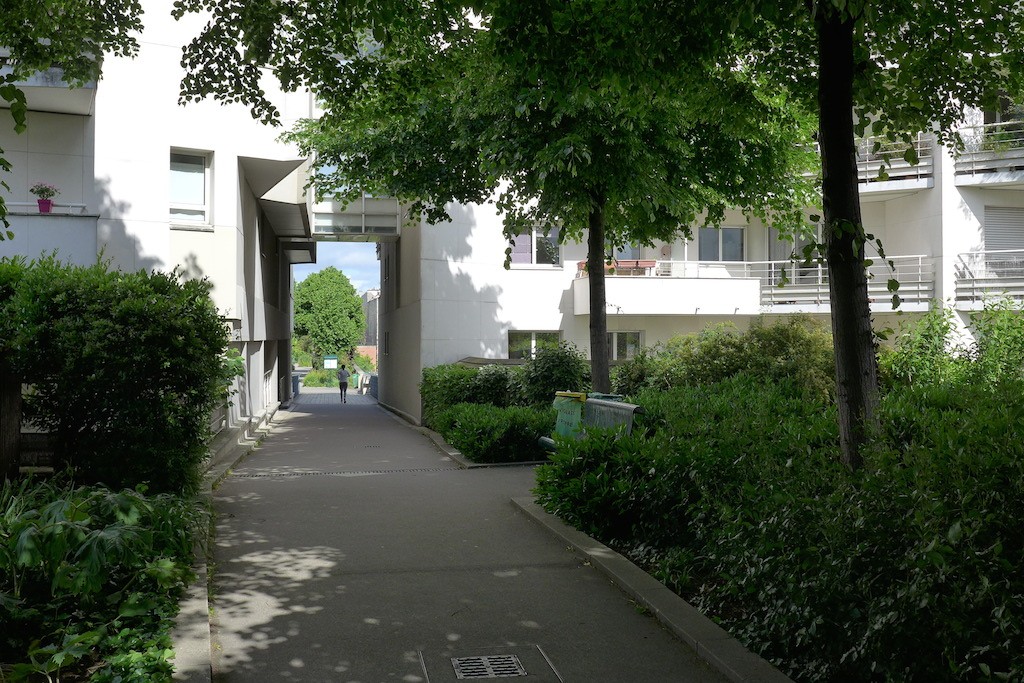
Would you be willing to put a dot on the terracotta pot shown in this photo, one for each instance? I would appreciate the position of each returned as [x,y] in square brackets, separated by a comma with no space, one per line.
[45,205]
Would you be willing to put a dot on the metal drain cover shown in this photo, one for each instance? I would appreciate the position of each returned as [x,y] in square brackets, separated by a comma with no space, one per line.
[488,666]
[494,663]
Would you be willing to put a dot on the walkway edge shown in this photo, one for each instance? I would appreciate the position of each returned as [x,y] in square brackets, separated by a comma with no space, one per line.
[191,637]
[711,642]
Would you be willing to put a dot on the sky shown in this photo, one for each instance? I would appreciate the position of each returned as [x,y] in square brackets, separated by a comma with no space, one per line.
[357,260]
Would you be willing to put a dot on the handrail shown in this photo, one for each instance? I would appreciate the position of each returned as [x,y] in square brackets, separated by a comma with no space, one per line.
[991,147]
[984,274]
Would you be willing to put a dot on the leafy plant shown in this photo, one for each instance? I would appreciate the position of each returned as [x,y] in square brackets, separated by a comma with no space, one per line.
[320,378]
[486,433]
[126,369]
[555,368]
[90,579]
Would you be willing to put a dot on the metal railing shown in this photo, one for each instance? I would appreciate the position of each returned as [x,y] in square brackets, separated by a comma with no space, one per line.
[875,153]
[991,148]
[808,285]
[987,274]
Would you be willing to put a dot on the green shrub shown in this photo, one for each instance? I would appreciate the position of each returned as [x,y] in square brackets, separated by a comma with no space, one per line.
[907,570]
[320,378]
[797,349]
[485,433]
[497,385]
[923,353]
[998,352]
[126,370]
[89,580]
[365,362]
[552,369]
[442,387]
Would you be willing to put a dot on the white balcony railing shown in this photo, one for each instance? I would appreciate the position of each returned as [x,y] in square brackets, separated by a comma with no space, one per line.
[806,285]
[991,148]
[874,154]
[987,274]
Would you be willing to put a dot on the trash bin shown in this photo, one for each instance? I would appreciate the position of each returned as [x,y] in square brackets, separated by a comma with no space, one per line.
[295,384]
[569,405]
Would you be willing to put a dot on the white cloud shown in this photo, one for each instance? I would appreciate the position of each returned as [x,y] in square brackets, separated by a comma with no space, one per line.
[357,260]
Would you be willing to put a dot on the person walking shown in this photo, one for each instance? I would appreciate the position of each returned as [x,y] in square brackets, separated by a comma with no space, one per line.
[343,376]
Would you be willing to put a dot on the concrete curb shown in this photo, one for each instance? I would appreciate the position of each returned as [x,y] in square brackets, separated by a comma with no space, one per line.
[191,637]
[711,642]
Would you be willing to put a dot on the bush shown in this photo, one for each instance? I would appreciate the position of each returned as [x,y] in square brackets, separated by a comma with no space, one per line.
[485,433]
[797,349]
[552,369]
[442,387]
[89,580]
[923,353]
[321,378]
[907,570]
[126,370]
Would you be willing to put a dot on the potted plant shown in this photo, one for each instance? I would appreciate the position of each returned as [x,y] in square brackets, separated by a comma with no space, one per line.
[45,193]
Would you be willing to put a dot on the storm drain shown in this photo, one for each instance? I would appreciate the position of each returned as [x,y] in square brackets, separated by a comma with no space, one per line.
[492,663]
[488,666]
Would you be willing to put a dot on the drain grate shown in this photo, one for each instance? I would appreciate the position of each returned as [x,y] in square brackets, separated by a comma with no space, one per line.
[290,475]
[488,666]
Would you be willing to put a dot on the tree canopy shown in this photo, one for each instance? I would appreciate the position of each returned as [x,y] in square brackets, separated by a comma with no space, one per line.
[329,313]
[521,106]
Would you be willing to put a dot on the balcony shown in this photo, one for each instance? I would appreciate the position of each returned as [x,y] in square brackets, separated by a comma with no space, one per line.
[985,275]
[368,219]
[47,91]
[67,231]
[993,155]
[807,290]
[901,178]
[746,287]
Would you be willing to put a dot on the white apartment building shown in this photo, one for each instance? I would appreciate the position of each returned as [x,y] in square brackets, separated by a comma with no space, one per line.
[953,227]
[148,184]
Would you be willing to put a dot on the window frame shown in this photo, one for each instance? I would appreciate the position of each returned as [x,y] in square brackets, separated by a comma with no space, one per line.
[536,232]
[718,243]
[206,222]
[613,349]
[533,342]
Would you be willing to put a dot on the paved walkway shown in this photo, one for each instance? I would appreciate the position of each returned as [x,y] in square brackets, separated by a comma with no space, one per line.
[350,550]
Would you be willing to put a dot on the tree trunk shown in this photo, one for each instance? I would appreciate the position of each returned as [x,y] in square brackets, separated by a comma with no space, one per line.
[600,377]
[853,340]
[10,421]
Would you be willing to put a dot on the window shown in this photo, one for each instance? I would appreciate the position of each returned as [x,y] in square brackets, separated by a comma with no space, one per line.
[535,247]
[623,345]
[525,344]
[630,252]
[190,188]
[720,244]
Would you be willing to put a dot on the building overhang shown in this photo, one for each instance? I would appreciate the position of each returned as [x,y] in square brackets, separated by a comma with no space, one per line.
[280,188]
[299,251]
[47,91]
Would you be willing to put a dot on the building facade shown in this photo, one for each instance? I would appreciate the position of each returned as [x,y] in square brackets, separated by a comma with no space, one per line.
[952,225]
[146,183]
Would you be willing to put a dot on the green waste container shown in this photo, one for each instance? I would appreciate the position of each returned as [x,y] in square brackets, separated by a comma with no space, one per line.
[569,405]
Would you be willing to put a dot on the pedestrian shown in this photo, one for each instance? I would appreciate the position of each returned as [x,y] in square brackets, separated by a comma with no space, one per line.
[343,376]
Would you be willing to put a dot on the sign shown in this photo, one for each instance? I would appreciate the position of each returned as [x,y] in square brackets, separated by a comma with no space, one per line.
[330,362]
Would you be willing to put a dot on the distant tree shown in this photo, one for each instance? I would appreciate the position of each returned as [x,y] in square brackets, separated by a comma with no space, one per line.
[329,314]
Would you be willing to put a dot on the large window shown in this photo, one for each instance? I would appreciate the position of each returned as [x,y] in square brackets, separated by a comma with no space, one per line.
[535,247]
[525,344]
[720,244]
[190,188]
[623,345]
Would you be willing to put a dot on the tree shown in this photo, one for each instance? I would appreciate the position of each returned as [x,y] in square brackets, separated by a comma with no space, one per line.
[523,106]
[72,35]
[898,67]
[329,313]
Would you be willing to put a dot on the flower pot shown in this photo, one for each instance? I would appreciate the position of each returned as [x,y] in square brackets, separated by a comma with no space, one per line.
[45,205]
